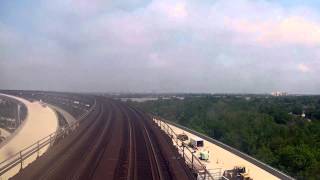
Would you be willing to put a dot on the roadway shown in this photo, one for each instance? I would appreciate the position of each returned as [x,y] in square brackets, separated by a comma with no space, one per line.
[40,122]
[114,141]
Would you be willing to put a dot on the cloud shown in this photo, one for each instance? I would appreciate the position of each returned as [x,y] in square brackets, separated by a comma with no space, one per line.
[160,45]
[292,30]
[289,30]
[175,10]
[157,61]
[303,68]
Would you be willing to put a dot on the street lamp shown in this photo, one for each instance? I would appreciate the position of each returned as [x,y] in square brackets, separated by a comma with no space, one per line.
[18,112]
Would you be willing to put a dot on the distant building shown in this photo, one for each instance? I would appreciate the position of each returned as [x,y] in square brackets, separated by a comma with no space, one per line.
[279,93]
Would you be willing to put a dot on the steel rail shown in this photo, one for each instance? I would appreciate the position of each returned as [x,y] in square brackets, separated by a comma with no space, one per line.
[131,168]
[59,163]
[94,146]
[152,155]
[155,157]
[131,155]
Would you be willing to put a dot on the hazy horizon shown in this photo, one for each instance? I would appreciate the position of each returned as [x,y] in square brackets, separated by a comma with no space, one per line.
[239,46]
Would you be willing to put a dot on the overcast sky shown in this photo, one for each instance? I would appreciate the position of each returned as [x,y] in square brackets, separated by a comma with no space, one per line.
[233,46]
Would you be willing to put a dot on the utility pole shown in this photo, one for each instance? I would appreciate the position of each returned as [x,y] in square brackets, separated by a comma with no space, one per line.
[18,117]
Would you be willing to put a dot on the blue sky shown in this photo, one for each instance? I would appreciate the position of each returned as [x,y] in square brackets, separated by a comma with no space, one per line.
[235,46]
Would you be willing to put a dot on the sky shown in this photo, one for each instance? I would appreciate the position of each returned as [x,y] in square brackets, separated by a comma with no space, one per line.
[207,46]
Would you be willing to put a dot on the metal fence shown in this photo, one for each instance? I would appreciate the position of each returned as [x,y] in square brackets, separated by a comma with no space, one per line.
[32,152]
[188,154]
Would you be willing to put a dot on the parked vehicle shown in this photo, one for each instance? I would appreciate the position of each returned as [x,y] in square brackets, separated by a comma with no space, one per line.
[196,143]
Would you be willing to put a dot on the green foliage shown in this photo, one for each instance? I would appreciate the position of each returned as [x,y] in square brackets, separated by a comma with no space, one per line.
[268,128]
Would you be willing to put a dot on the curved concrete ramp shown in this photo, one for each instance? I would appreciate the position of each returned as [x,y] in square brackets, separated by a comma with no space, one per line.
[39,123]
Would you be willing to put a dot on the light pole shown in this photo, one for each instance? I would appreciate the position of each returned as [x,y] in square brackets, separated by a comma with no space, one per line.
[18,118]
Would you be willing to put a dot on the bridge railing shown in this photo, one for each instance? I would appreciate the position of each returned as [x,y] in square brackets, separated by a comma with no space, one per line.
[32,152]
[188,154]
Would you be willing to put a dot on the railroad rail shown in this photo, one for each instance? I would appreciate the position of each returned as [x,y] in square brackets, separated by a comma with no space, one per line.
[137,158]
[146,146]
[141,155]
[36,148]
[115,142]
[125,167]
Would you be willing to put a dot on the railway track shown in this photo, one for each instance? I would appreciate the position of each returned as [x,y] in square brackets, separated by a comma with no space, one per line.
[114,142]
[125,167]
[146,157]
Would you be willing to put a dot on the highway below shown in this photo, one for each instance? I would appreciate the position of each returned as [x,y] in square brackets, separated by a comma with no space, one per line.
[39,122]
[114,141]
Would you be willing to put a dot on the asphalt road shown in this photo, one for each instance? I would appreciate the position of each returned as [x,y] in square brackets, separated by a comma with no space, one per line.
[115,141]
